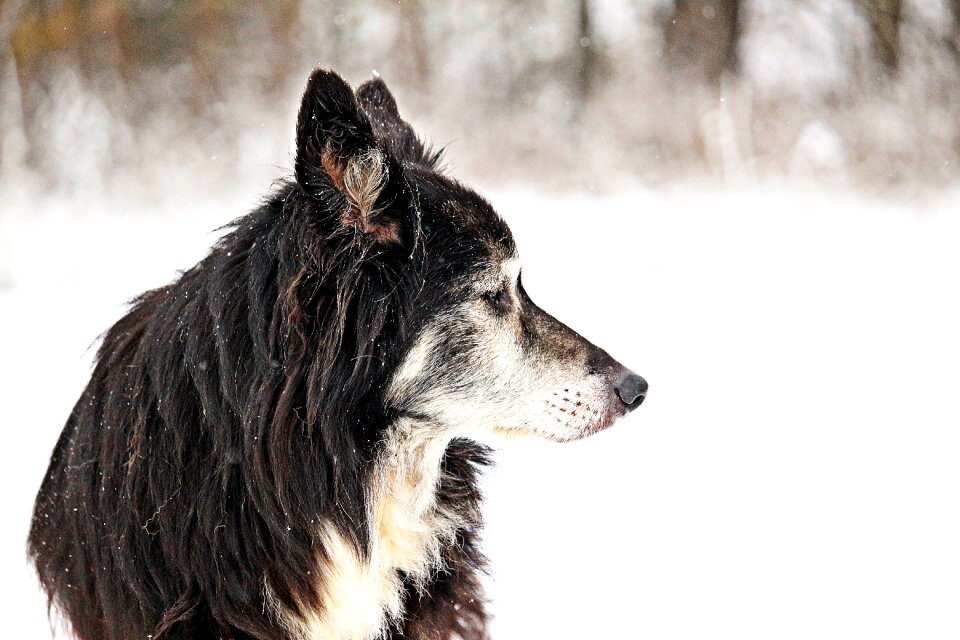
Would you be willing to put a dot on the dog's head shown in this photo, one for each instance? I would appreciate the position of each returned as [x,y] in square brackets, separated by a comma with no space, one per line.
[478,355]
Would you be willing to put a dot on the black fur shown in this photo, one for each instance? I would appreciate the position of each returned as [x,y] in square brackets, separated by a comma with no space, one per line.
[233,410]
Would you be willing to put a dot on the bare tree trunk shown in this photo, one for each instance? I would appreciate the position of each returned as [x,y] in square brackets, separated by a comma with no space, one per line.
[205,23]
[587,53]
[955,28]
[701,38]
[884,18]
[283,24]
[12,136]
[29,48]
[413,45]
[125,32]
[6,61]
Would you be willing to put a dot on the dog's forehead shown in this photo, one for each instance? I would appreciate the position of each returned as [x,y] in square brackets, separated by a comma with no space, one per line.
[475,221]
[463,217]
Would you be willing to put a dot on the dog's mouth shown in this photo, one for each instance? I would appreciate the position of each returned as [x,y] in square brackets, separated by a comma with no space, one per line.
[514,432]
[603,421]
[570,433]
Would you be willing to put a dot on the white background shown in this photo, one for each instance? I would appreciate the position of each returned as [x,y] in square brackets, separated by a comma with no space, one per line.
[793,473]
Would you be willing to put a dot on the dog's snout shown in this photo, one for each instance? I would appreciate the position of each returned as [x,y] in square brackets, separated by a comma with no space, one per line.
[631,389]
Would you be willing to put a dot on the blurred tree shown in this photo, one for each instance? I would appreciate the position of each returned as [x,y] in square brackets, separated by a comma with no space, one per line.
[111,78]
[587,53]
[884,17]
[5,67]
[283,21]
[412,44]
[206,30]
[701,38]
[954,39]
[35,39]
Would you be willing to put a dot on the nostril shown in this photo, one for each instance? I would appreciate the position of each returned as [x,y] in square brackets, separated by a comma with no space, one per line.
[631,389]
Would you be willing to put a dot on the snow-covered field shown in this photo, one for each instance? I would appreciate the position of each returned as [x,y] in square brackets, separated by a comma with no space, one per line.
[794,473]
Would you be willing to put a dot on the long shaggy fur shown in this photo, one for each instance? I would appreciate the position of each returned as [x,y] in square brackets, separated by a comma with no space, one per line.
[280,444]
[229,414]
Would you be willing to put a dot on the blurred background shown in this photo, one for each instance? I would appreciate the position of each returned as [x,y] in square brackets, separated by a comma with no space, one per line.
[752,203]
[99,95]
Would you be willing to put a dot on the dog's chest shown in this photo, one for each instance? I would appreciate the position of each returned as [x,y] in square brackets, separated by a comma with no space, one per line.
[408,534]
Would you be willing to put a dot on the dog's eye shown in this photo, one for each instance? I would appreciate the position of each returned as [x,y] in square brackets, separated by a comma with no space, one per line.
[499,300]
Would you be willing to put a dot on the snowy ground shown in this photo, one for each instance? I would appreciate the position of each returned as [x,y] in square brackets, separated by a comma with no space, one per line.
[793,474]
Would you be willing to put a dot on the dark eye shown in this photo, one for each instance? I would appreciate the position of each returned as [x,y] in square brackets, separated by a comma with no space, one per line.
[499,300]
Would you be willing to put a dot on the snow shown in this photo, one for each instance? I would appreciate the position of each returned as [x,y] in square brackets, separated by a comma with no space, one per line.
[793,473]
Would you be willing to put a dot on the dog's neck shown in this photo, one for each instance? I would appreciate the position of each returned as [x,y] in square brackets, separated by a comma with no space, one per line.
[408,527]
[408,532]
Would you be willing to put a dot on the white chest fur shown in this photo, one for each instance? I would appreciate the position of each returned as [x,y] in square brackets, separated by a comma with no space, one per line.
[408,532]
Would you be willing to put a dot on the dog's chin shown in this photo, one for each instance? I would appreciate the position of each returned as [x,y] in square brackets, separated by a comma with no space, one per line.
[605,421]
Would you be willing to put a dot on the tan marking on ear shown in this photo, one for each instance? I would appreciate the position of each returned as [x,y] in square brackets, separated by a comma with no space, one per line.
[333,167]
[363,180]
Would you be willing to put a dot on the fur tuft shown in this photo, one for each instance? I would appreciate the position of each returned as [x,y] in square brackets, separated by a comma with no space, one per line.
[363,182]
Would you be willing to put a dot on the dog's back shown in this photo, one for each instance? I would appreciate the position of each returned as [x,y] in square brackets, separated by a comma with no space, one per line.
[78,538]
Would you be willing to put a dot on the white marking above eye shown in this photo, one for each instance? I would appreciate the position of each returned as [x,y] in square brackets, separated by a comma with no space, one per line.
[493,279]
[511,270]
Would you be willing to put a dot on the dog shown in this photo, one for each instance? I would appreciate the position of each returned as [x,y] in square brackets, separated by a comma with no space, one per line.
[284,443]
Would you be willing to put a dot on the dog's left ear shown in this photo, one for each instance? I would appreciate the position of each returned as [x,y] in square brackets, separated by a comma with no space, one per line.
[379,104]
[339,161]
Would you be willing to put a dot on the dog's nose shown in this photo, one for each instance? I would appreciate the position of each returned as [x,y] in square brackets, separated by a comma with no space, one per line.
[631,389]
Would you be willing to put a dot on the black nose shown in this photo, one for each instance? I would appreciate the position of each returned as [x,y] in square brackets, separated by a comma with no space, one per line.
[631,389]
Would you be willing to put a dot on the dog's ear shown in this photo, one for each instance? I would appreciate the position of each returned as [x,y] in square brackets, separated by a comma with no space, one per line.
[381,107]
[339,161]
